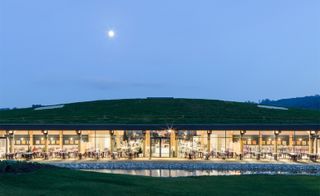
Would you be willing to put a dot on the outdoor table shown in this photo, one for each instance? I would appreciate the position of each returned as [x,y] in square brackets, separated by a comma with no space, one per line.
[193,155]
[103,154]
[250,154]
[27,155]
[313,157]
[293,156]
[206,156]
[80,155]
[120,154]
[90,154]
[276,156]
[72,154]
[135,154]
[257,155]
[63,155]
[18,155]
[37,154]
[229,154]
[223,155]
[45,155]
[10,155]
[200,154]
[267,154]
[97,155]
[56,154]
[130,155]
[114,155]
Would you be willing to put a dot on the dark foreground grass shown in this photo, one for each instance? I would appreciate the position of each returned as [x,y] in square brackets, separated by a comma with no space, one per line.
[56,181]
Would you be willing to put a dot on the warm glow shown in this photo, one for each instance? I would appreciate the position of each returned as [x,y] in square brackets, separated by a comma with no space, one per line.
[111,33]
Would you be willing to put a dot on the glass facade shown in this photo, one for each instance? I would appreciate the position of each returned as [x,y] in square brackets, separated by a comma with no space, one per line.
[148,144]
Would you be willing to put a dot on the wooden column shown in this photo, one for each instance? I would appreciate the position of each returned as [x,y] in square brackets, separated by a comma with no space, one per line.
[317,145]
[144,143]
[172,153]
[117,134]
[209,132]
[276,134]
[291,139]
[176,132]
[241,147]
[45,135]
[225,140]
[7,143]
[310,144]
[242,132]
[314,142]
[46,143]
[276,147]
[260,141]
[80,143]
[61,139]
[79,133]
[148,143]
[260,146]
[111,133]
[30,145]
[11,143]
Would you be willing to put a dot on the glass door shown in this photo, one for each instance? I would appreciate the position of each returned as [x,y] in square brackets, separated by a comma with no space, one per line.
[165,147]
[160,147]
[156,147]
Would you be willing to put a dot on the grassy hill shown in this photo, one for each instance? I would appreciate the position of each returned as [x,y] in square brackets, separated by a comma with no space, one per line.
[157,111]
[308,102]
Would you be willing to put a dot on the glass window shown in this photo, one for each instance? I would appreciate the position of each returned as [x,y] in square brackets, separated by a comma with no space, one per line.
[21,139]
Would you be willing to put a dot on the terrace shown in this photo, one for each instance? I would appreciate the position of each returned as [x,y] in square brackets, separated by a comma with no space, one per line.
[149,144]
[191,129]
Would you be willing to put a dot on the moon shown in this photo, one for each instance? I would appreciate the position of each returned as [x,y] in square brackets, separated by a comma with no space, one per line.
[111,33]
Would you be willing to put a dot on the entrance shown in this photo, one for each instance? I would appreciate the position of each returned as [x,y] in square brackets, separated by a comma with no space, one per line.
[3,147]
[160,147]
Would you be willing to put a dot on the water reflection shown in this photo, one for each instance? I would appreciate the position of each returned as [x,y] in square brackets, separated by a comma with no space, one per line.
[185,173]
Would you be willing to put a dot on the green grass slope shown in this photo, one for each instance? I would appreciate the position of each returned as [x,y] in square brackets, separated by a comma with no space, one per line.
[157,111]
[56,181]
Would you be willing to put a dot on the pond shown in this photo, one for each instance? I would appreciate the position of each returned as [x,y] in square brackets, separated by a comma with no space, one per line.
[185,173]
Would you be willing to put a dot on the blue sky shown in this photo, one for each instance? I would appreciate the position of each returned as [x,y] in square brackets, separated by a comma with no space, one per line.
[57,51]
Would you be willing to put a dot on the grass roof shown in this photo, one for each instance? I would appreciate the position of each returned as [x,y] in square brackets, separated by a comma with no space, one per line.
[157,111]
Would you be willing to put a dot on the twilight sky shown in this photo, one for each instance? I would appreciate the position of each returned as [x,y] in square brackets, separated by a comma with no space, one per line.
[57,51]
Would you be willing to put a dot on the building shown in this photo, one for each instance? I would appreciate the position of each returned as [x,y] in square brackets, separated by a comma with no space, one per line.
[249,132]
[159,141]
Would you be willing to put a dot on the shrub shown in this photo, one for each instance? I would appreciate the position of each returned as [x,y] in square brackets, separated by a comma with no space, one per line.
[19,166]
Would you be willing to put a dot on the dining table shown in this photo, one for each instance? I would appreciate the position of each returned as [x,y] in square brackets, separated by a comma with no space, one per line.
[27,155]
[10,155]
[293,156]
[313,157]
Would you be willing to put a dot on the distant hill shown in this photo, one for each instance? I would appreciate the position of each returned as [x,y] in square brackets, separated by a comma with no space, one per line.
[308,102]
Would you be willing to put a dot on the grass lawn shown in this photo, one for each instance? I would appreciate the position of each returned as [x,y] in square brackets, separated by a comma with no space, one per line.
[160,111]
[57,181]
